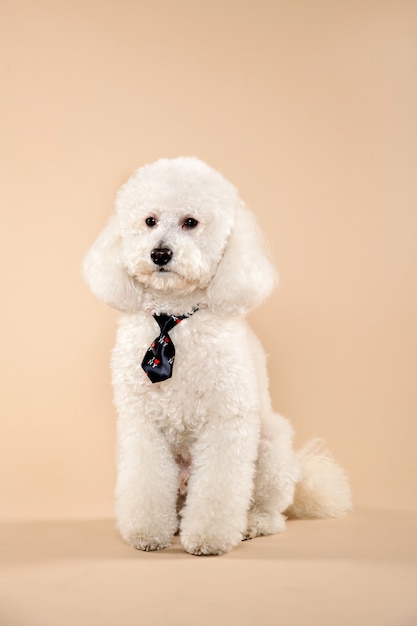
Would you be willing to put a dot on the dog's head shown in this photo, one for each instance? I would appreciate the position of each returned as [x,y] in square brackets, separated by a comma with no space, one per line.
[180,227]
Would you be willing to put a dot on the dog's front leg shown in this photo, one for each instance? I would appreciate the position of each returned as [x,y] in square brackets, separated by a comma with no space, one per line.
[146,490]
[220,486]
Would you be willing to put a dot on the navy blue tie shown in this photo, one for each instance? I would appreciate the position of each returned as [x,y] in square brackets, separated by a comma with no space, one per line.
[159,358]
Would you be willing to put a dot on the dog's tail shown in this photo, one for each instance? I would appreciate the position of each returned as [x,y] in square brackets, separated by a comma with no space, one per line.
[324,489]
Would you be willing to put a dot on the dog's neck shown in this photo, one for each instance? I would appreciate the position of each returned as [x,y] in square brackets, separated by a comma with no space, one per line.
[172,303]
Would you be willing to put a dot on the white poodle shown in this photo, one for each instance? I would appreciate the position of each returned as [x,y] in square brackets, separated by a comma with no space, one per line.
[199,449]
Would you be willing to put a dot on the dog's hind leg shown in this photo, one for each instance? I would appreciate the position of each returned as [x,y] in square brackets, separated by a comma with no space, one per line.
[277,472]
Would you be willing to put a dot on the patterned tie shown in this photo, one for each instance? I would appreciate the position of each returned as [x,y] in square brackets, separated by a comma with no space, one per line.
[159,358]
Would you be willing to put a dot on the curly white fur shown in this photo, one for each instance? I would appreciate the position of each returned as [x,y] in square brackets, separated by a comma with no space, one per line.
[209,430]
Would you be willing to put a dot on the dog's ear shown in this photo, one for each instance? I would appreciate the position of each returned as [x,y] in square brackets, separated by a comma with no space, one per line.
[104,273]
[245,275]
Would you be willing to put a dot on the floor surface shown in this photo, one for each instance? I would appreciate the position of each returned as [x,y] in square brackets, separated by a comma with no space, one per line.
[357,571]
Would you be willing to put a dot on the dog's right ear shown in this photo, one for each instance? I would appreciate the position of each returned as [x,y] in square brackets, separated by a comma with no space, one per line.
[104,273]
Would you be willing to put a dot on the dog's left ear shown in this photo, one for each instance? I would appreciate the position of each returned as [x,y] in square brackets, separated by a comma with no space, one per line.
[245,276]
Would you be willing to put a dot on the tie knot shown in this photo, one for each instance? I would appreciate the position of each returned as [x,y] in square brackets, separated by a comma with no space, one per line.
[167,322]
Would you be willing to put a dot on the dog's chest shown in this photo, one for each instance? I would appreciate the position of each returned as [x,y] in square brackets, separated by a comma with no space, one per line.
[210,364]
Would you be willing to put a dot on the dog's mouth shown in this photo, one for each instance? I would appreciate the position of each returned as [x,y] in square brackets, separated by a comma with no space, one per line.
[166,278]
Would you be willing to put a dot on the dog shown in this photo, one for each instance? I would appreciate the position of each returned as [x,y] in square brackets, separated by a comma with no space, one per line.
[200,450]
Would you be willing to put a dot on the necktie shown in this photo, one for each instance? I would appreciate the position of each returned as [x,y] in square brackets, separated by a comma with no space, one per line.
[159,358]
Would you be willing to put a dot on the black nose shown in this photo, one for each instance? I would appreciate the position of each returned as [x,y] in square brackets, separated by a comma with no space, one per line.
[161,256]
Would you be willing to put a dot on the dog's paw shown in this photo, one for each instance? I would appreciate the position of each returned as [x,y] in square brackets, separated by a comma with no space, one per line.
[149,544]
[201,541]
[146,541]
[261,523]
[147,532]
[199,546]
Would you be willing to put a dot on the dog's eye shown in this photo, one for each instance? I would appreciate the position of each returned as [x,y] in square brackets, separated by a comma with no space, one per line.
[150,221]
[189,223]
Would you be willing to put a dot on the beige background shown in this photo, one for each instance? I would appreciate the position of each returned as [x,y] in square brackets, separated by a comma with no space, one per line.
[309,107]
